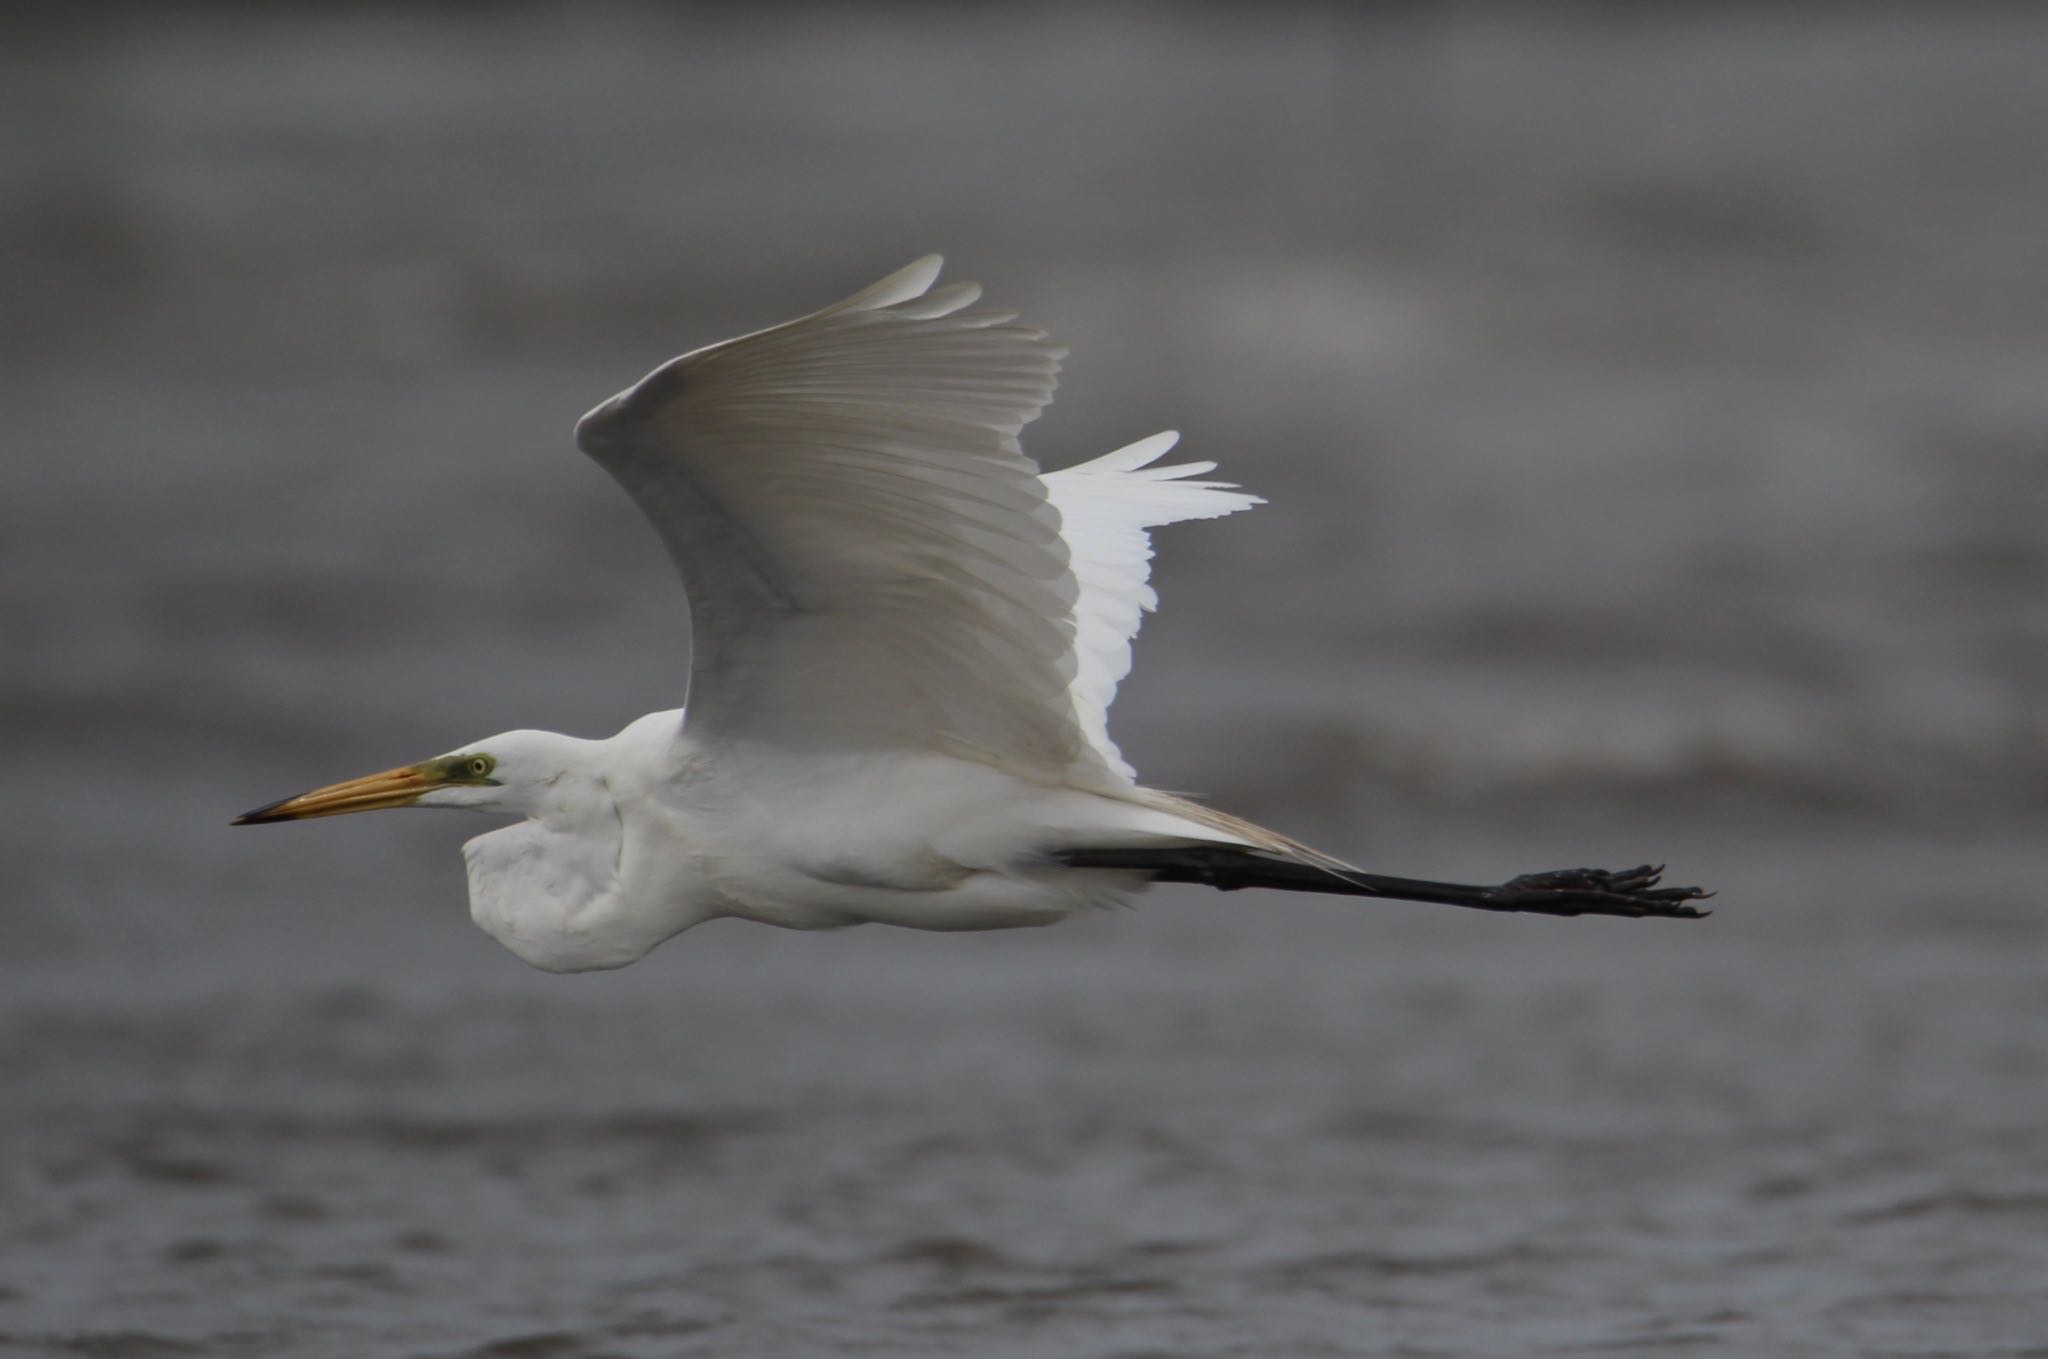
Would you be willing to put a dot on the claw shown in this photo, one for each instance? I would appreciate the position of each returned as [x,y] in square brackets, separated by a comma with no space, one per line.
[1635,879]
[1575,891]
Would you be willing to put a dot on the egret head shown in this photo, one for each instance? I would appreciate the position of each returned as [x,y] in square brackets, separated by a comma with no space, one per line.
[504,773]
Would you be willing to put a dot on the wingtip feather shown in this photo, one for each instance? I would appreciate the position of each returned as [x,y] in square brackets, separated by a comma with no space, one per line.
[938,302]
[910,282]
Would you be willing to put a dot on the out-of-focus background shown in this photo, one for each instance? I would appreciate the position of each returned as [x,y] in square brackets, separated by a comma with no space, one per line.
[1651,401]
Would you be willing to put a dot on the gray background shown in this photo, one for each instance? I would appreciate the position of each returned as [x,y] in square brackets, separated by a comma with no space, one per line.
[1650,401]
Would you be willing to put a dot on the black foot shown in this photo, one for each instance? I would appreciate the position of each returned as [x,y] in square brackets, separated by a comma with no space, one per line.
[1594,891]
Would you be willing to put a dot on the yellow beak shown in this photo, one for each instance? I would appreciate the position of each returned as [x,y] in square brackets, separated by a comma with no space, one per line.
[392,788]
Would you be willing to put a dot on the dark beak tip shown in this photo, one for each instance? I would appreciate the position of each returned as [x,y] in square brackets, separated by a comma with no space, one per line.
[259,815]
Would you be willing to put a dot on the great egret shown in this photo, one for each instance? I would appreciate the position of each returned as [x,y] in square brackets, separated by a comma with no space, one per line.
[904,643]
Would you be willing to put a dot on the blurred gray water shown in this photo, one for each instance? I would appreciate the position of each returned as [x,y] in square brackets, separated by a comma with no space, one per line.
[1651,405]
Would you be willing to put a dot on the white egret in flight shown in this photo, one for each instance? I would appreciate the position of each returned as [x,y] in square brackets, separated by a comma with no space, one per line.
[904,642]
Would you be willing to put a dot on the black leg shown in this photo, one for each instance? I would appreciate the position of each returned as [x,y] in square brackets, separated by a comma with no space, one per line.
[1566,892]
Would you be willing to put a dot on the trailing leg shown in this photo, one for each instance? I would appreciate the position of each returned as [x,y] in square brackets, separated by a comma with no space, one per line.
[1565,892]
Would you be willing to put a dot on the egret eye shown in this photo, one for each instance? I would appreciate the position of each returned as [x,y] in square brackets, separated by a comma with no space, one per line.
[478,766]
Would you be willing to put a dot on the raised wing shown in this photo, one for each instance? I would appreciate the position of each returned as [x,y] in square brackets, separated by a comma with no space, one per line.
[1106,507]
[871,560]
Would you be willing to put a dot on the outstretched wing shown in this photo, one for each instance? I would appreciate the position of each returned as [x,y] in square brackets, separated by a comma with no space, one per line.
[1106,507]
[871,560]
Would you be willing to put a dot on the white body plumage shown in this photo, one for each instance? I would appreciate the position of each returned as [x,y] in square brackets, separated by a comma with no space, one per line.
[606,865]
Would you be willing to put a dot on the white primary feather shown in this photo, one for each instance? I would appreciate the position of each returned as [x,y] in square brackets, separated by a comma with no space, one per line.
[1106,507]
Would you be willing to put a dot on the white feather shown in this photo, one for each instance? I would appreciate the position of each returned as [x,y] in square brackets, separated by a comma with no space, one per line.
[1106,507]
